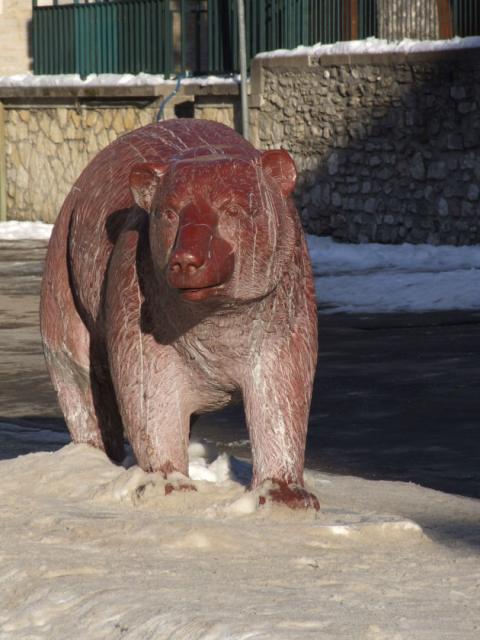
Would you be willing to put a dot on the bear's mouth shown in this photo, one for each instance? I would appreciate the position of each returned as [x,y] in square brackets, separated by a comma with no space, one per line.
[196,294]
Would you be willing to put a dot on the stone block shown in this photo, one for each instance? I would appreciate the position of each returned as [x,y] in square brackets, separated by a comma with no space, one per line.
[442,207]
[454,141]
[56,134]
[473,192]
[370,205]
[468,210]
[62,117]
[24,115]
[91,118]
[366,186]
[336,199]
[33,124]
[471,137]
[417,167]
[75,118]
[316,194]
[332,164]
[117,123]
[437,170]
[458,93]
[467,107]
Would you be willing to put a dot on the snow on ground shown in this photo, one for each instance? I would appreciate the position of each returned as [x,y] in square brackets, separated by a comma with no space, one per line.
[22,230]
[92,550]
[368,278]
[377,278]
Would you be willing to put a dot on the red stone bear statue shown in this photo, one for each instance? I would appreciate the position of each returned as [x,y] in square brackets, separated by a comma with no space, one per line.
[177,281]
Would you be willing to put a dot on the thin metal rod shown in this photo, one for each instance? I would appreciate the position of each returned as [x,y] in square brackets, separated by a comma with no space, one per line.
[3,170]
[243,67]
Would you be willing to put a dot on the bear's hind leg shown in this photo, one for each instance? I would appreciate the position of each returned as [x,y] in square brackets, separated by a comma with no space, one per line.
[80,378]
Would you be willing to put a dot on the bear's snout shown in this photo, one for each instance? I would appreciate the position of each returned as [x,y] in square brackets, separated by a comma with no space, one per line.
[200,262]
[190,252]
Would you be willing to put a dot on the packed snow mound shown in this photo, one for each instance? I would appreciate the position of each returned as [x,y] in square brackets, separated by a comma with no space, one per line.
[80,472]
[94,550]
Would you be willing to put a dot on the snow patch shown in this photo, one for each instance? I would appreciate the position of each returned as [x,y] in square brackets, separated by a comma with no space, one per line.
[79,553]
[376,278]
[24,230]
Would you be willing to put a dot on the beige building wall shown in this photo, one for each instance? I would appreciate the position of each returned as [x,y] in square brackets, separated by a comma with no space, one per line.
[15,17]
[50,134]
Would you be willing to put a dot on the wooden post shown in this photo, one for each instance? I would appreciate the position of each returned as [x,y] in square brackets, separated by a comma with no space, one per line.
[354,19]
[3,167]
[445,19]
[350,20]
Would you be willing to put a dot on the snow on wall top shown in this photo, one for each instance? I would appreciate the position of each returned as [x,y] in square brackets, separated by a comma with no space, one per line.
[110,80]
[374,45]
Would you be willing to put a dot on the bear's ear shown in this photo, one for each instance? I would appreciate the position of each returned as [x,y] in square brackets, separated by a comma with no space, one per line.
[144,179]
[279,165]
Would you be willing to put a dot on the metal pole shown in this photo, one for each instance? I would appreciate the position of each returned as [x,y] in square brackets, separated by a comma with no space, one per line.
[243,67]
[183,28]
[3,168]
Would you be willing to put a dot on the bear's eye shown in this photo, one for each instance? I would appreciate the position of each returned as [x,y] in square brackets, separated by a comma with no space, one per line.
[167,214]
[233,211]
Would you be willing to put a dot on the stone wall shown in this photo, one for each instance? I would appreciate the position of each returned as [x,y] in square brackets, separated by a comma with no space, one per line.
[51,134]
[388,146]
[15,17]
[47,148]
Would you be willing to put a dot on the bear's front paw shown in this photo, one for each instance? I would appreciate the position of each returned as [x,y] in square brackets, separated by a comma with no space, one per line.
[170,488]
[178,482]
[293,496]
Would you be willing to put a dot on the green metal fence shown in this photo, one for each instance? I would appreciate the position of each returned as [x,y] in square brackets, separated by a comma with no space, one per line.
[200,36]
[102,37]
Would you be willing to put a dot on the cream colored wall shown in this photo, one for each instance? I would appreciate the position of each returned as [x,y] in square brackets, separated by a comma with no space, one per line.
[15,16]
[47,147]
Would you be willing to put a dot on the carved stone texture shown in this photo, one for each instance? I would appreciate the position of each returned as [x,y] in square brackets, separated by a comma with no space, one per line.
[178,281]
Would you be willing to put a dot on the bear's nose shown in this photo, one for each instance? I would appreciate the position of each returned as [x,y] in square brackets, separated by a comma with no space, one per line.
[185,262]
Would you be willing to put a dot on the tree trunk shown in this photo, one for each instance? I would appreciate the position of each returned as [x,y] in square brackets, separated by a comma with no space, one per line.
[416,19]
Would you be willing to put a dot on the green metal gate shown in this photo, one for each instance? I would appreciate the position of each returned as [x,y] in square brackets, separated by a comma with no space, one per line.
[200,36]
[124,36]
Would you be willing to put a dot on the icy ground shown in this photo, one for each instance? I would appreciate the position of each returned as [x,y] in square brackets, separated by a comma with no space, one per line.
[371,278]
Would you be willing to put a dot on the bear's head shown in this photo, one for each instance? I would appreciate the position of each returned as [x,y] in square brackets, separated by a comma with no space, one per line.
[222,225]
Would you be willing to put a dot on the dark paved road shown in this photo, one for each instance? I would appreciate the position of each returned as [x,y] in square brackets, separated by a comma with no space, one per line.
[396,397]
